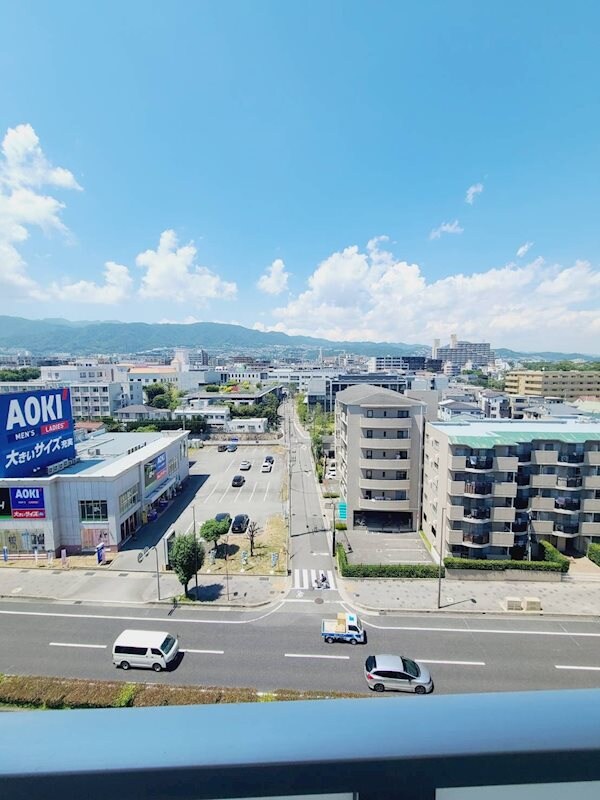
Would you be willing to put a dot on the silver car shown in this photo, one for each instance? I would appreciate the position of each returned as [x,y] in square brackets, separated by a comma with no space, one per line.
[397,673]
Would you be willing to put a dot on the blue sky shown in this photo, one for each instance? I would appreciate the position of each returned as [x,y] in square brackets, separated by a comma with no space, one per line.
[204,145]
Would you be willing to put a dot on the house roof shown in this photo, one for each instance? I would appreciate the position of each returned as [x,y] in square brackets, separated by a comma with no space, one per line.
[375,396]
[141,409]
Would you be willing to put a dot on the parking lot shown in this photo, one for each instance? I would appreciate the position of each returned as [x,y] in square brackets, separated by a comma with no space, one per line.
[261,495]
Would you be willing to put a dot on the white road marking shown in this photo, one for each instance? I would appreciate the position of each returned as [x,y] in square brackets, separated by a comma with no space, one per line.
[253,490]
[74,644]
[142,619]
[460,663]
[266,493]
[207,498]
[480,630]
[209,652]
[306,579]
[308,655]
[569,666]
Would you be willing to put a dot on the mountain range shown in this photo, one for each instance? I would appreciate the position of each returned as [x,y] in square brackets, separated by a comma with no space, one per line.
[42,336]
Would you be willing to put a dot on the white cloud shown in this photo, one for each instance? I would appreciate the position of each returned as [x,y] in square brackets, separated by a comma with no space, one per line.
[116,288]
[524,249]
[189,320]
[275,279]
[172,274]
[446,227]
[472,192]
[24,169]
[371,295]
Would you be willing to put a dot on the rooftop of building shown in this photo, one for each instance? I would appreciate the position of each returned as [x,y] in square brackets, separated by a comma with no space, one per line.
[487,433]
[149,370]
[108,455]
[375,396]
[138,408]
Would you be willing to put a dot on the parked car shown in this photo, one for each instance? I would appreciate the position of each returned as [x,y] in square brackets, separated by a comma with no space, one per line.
[224,515]
[270,459]
[245,465]
[238,480]
[222,448]
[231,448]
[398,673]
[240,523]
[266,467]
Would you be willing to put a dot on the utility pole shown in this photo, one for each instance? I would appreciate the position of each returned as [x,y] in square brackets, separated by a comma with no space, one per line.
[440,565]
[529,536]
[290,472]
[227,566]
[333,532]
[195,548]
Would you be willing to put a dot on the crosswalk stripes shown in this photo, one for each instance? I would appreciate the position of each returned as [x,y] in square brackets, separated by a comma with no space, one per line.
[307,578]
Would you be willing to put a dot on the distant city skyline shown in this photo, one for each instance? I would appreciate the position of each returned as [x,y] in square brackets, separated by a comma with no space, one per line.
[254,170]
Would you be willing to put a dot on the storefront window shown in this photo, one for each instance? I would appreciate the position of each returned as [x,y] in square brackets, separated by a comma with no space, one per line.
[92,510]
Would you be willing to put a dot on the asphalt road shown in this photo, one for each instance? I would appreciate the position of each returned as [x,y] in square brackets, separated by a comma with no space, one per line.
[282,647]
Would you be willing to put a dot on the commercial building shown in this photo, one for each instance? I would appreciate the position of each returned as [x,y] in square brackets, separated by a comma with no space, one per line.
[566,384]
[56,494]
[139,412]
[378,451]
[490,485]
[459,353]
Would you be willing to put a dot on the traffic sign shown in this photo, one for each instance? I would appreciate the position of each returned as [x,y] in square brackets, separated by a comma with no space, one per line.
[342,511]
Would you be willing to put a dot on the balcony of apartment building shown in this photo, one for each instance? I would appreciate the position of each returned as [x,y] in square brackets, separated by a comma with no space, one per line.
[566,530]
[379,439]
[567,505]
[519,525]
[592,458]
[524,457]
[457,463]
[591,482]
[479,464]
[503,487]
[589,528]
[535,503]
[591,505]
[503,514]
[387,423]
[569,482]
[544,457]
[377,500]
[543,481]
[456,487]
[384,484]
[571,458]
[505,463]
[543,527]
[478,488]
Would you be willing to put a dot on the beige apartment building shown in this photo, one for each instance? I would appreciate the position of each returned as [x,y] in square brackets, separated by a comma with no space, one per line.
[569,384]
[379,437]
[491,485]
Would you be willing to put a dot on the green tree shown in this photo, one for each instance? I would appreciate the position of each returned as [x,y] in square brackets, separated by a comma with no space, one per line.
[154,389]
[211,387]
[160,401]
[24,374]
[212,530]
[187,557]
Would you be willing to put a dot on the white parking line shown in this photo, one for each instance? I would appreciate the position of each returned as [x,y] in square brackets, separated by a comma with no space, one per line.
[253,490]
[75,644]
[209,652]
[266,493]
[569,666]
[208,496]
[459,663]
[309,655]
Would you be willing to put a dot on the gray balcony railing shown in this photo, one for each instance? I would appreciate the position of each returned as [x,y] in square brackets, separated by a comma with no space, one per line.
[479,462]
[478,488]
[378,750]
[571,458]
[569,483]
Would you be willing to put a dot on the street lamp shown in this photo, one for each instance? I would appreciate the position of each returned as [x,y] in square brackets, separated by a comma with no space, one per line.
[441,560]
[333,531]
[529,536]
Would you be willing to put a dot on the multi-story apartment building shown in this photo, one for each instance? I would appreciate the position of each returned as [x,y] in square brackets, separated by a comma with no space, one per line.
[492,484]
[385,363]
[566,384]
[459,353]
[92,400]
[379,436]
[495,405]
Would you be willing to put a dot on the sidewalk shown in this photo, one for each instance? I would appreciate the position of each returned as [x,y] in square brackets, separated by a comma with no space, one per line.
[580,599]
[108,586]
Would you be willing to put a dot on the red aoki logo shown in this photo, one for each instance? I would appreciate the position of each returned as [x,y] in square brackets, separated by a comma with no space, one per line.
[65,393]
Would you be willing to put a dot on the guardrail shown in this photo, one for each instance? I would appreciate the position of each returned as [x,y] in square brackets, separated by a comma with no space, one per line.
[380,749]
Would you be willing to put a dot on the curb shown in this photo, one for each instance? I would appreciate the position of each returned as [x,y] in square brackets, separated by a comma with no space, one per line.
[143,603]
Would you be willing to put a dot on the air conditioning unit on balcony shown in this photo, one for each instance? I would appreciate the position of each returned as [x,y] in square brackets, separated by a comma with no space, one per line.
[514,604]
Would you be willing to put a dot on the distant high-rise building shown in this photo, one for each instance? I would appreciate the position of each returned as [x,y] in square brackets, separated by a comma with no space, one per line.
[458,353]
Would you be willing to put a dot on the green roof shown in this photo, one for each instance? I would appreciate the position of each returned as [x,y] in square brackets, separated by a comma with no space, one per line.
[517,437]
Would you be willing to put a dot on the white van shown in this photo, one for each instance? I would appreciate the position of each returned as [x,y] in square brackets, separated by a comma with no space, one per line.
[149,649]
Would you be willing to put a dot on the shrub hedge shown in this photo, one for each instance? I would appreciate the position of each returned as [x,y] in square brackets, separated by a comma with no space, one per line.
[340,526]
[35,692]
[594,553]
[554,561]
[384,570]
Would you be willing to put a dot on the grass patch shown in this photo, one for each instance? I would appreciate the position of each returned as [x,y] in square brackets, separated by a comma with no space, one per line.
[28,692]
[270,539]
